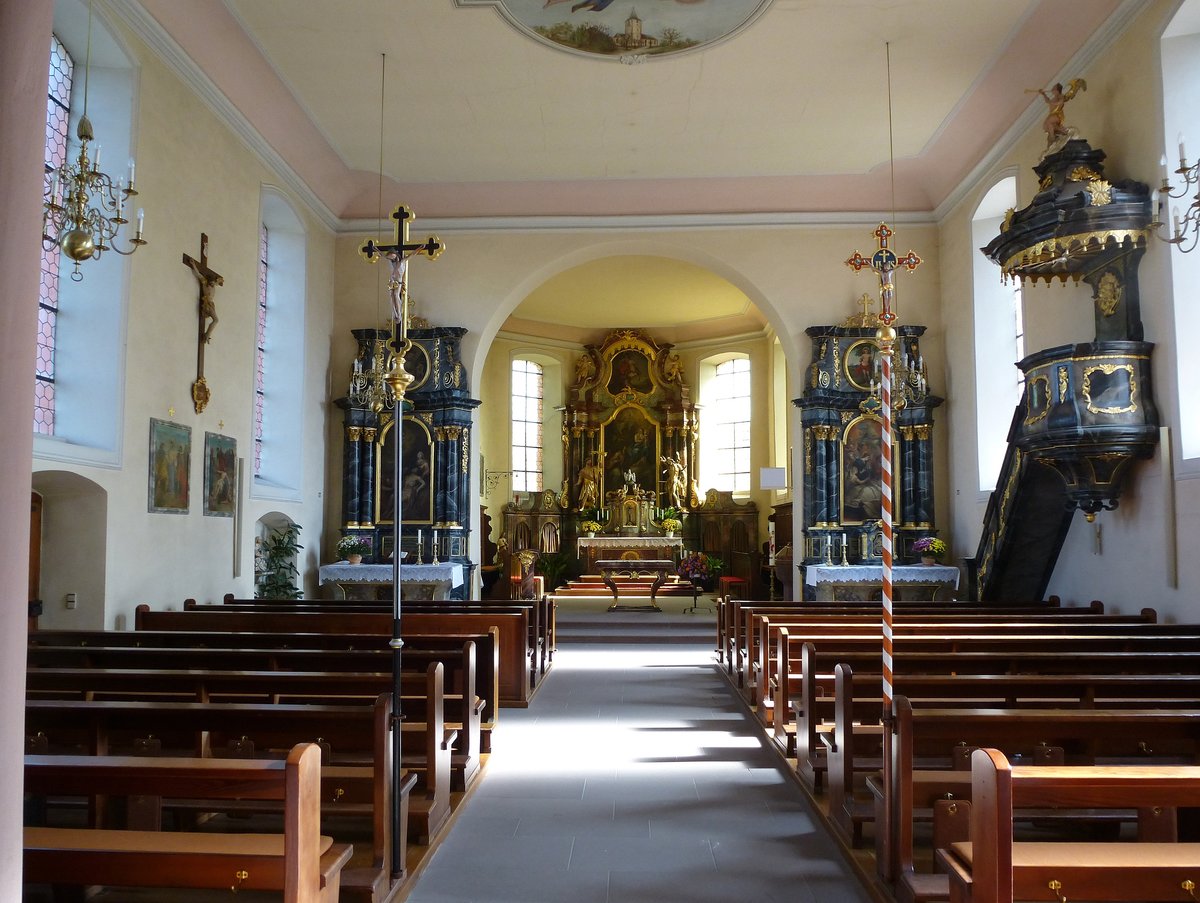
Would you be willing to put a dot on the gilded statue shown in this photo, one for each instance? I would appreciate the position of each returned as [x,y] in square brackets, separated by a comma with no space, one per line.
[1057,132]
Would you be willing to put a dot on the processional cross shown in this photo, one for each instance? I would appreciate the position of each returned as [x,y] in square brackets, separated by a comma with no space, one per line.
[884,263]
[209,279]
[398,254]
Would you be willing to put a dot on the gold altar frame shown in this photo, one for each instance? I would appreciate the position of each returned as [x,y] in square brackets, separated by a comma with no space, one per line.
[863,471]
[611,443]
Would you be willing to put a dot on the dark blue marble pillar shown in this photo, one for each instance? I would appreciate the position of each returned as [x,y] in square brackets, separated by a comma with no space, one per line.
[366,482]
[350,475]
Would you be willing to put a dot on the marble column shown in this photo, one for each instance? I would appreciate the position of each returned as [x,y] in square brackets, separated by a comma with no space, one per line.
[350,495]
[368,453]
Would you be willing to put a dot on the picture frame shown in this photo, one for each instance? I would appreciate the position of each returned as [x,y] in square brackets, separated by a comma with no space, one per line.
[170,466]
[862,463]
[861,364]
[220,475]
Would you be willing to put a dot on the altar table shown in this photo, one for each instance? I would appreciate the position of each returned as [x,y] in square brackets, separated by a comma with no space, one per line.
[658,568]
[864,582]
[374,581]
[592,549]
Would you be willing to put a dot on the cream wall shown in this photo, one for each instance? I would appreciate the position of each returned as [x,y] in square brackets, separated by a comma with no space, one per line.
[1121,114]
[194,176]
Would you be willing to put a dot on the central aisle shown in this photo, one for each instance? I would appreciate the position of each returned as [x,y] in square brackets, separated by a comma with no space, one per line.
[635,777]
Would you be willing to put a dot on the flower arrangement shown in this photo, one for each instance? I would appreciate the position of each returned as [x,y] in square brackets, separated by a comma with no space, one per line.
[930,546]
[353,545]
[589,526]
[671,519]
[699,566]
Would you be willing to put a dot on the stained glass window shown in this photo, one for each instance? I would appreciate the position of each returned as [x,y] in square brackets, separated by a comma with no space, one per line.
[260,348]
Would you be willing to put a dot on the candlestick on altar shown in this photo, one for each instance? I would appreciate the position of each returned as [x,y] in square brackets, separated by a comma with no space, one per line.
[434,545]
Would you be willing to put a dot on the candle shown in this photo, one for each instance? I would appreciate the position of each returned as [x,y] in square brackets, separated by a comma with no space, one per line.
[1175,216]
[54,189]
[132,171]
[1163,166]
[419,537]
[141,221]
[96,162]
[843,540]
[1182,153]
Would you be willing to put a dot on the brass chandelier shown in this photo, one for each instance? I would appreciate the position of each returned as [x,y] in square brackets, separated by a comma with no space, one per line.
[84,209]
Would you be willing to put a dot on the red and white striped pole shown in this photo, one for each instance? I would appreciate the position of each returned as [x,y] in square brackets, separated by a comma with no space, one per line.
[886,335]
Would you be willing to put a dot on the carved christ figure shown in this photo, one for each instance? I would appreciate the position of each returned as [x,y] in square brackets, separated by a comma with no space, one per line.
[208,305]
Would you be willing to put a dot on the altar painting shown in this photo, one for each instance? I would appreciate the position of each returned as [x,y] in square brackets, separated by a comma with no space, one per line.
[630,373]
[862,470]
[416,480]
[630,443]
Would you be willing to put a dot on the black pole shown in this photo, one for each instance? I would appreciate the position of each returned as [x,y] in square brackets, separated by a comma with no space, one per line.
[397,643]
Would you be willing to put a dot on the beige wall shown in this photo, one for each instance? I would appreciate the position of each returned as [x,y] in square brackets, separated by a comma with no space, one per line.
[194,176]
[1121,114]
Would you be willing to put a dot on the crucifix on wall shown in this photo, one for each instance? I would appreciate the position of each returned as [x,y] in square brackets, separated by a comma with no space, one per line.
[208,279]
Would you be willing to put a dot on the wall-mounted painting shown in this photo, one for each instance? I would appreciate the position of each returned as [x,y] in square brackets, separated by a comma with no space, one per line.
[604,28]
[416,480]
[862,364]
[170,466]
[220,475]
[630,371]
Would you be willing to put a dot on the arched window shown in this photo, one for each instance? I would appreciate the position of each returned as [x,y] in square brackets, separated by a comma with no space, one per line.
[278,424]
[528,390]
[80,374]
[1181,100]
[999,336]
[725,423]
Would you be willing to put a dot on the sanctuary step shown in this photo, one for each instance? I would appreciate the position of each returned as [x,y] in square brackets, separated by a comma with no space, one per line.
[621,628]
[629,587]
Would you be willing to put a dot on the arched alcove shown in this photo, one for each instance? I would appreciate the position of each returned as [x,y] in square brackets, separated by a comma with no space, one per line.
[74,546]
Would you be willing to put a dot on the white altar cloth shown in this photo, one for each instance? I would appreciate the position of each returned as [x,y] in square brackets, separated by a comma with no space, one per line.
[867,573]
[441,578]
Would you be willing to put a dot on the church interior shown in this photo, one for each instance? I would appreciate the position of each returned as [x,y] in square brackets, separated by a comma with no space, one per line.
[645,268]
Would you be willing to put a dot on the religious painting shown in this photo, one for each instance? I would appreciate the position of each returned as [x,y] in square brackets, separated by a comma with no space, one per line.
[630,371]
[862,364]
[220,475]
[416,478]
[630,446]
[600,28]
[170,467]
[862,470]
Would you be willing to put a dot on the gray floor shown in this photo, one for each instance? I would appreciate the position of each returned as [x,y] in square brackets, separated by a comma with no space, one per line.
[635,776]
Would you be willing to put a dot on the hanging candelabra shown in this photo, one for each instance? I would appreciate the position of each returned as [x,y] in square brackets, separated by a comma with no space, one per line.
[1189,222]
[84,208]
[369,386]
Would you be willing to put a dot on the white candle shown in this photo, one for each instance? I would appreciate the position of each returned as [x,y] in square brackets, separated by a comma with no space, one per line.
[96,162]
[141,221]
[1175,216]
[419,537]
[132,171]
[1182,153]
[843,540]
[1163,166]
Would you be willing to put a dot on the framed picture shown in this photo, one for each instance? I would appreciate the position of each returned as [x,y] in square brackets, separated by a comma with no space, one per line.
[170,467]
[220,475]
[416,482]
[862,364]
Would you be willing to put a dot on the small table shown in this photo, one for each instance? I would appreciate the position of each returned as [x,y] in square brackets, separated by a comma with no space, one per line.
[417,581]
[658,568]
[864,582]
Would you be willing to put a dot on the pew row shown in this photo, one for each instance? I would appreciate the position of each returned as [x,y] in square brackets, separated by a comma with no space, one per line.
[513,628]
[993,868]
[301,863]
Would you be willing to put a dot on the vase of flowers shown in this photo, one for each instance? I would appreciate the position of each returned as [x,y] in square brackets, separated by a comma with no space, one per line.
[353,548]
[930,548]
[590,527]
[670,521]
[699,568]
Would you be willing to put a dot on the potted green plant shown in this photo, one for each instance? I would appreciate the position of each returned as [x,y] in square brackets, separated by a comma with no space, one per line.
[553,568]
[590,527]
[275,564]
[670,521]
[930,548]
[353,548]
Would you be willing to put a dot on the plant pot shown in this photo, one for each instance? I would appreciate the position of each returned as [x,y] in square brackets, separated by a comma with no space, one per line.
[354,559]
[670,534]
[928,560]
[591,534]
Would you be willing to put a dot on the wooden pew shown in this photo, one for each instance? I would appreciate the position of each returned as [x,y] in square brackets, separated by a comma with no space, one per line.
[300,862]
[272,687]
[295,653]
[992,867]
[919,733]
[543,611]
[856,741]
[356,738]
[513,631]
[174,650]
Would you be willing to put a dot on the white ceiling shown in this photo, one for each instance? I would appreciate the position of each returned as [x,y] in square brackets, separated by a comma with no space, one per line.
[788,116]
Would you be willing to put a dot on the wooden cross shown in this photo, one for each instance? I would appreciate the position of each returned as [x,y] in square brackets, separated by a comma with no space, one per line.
[209,279]
[883,262]
[398,254]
